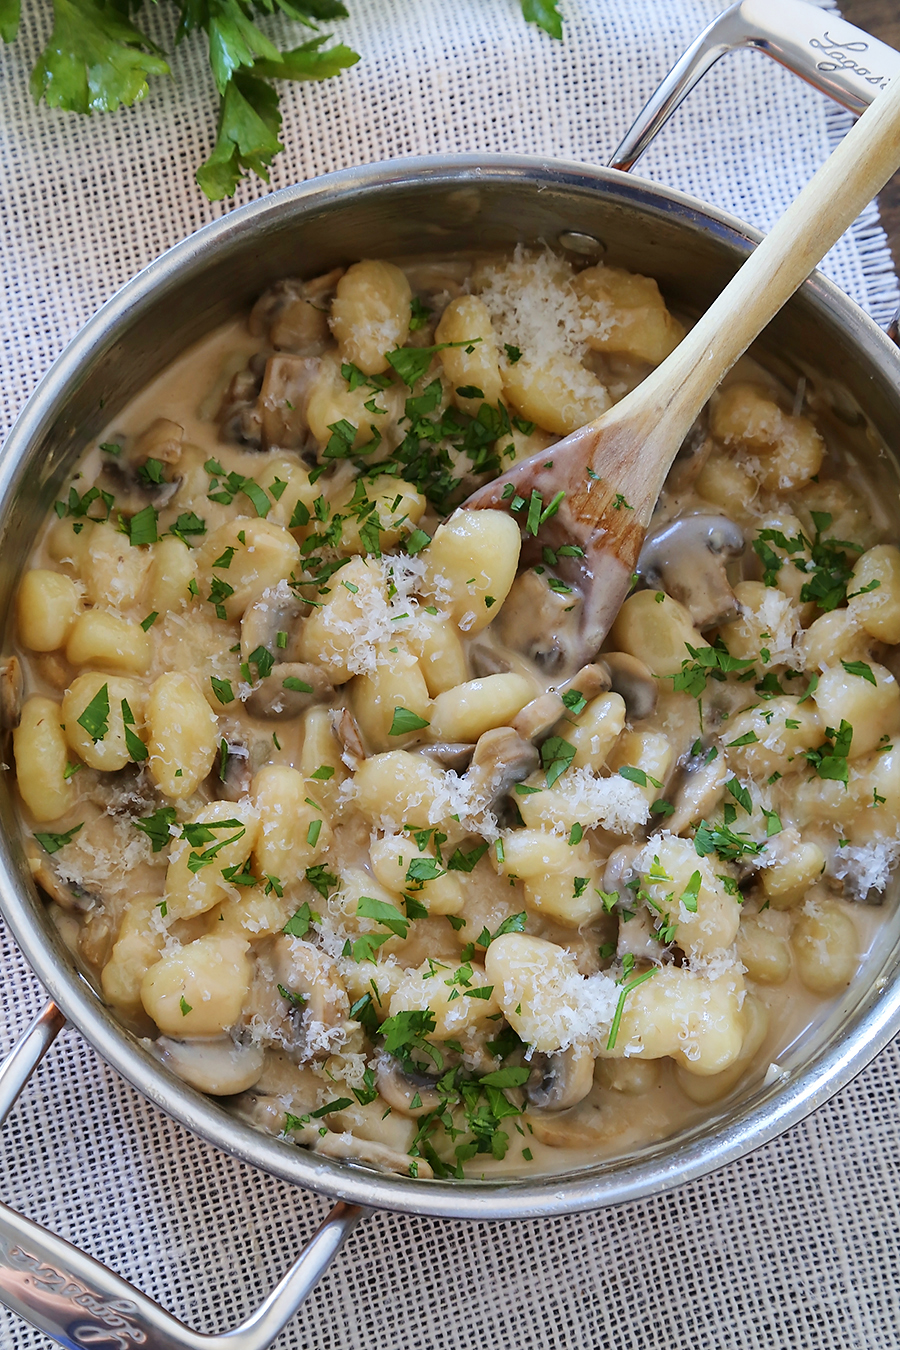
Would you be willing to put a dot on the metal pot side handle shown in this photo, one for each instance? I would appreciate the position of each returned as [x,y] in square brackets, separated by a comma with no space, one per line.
[82,1305]
[818,45]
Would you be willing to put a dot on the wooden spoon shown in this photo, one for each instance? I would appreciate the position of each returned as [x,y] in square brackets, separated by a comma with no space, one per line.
[612,470]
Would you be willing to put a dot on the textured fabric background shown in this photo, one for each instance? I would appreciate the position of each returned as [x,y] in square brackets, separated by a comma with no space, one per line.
[796,1246]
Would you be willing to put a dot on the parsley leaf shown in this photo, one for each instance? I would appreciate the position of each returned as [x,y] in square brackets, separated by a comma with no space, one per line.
[556,756]
[727,843]
[156,826]
[860,668]
[95,718]
[52,843]
[545,14]
[298,924]
[411,363]
[404,720]
[94,60]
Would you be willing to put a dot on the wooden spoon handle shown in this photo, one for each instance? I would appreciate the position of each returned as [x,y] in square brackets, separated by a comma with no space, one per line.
[847,181]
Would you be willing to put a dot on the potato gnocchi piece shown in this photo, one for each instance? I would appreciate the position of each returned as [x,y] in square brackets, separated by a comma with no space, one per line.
[787,449]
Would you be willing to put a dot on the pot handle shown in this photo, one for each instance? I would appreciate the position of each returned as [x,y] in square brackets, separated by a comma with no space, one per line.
[82,1305]
[818,45]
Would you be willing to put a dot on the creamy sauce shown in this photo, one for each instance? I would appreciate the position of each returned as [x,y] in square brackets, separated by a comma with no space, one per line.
[108,869]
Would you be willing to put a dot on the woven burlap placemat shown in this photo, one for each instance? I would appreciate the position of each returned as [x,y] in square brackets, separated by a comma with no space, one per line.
[795,1246]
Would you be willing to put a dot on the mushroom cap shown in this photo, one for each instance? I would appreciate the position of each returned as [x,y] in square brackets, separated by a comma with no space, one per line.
[501,758]
[561,1080]
[400,1088]
[219,1066]
[687,558]
[275,701]
[633,681]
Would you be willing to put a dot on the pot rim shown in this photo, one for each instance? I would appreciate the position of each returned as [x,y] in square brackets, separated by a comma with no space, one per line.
[771,1110]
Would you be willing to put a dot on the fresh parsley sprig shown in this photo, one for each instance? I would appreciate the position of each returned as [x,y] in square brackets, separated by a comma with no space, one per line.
[97,59]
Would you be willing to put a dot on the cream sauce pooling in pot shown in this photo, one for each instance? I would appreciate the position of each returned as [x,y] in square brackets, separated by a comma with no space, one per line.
[315,805]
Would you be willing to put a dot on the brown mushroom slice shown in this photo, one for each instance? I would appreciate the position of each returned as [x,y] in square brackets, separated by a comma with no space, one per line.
[294,313]
[697,794]
[311,975]
[365,1151]
[403,1090]
[589,681]
[541,623]
[634,682]
[230,781]
[347,733]
[266,1112]
[501,758]
[637,937]
[133,489]
[239,417]
[276,611]
[11,687]
[284,399]
[539,716]
[455,755]
[560,1080]
[288,691]
[220,1066]
[66,894]
[687,558]
[485,661]
[583,1126]
[162,440]
[619,869]
[631,1077]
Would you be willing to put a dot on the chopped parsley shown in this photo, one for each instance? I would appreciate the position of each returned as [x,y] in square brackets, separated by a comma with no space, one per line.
[405,720]
[95,718]
[52,843]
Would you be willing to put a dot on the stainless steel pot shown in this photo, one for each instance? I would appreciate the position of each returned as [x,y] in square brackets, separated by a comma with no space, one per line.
[411,206]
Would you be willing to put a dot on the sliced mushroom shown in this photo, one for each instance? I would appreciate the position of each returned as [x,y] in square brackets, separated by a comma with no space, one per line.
[11,687]
[288,691]
[374,1155]
[560,1080]
[538,717]
[295,313]
[238,417]
[311,976]
[630,678]
[265,1112]
[53,669]
[541,623]
[697,794]
[133,489]
[220,1066]
[230,782]
[637,937]
[687,558]
[632,1077]
[454,755]
[582,1126]
[162,440]
[402,1090]
[590,680]
[284,398]
[66,894]
[619,869]
[277,610]
[348,735]
[500,759]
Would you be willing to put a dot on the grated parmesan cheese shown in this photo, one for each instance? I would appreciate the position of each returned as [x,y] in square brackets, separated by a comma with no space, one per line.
[534,306]
[866,867]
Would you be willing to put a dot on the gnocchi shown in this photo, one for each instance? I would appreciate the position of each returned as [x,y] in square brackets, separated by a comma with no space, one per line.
[337,829]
